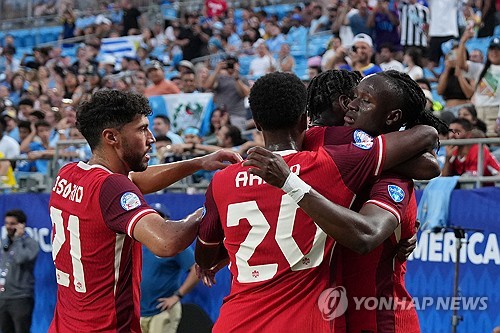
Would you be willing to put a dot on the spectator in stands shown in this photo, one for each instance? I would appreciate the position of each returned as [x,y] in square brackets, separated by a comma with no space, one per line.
[476,55]
[413,62]
[387,61]
[68,20]
[319,21]
[37,146]
[275,40]
[131,17]
[7,180]
[327,59]
[229,136]
[264,62]
[8,146]
[16,88]
[443,26]
[188,82]
[361,54]
[17,280]
[453,86]
[384,21]
[469,112]
[8,64]
[71,89]
[463,159]
[285,61]
[25,109]
[218,119]
[357,19]
[297,35]
[24,128]
[160,86]
[485,80]
[233,40]
[414,26]
[10,117]
[162,126]
[488,18]
[230,90]
[192,38]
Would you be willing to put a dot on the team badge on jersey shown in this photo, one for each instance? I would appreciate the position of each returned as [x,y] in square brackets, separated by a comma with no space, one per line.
[397,194]
[362,140]
[130,201]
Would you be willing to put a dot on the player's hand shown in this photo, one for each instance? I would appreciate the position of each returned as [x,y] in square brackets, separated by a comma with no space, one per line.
[219,159]
[166,303]
[20,230]
[207,276]
[406,247]
[268,166]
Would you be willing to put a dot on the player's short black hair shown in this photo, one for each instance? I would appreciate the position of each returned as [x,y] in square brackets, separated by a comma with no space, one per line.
[326,88]
[18,214]
[277,100]
[411,100]
[109,109]
[466,124]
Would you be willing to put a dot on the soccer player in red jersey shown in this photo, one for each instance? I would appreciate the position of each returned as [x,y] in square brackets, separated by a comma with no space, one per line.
[100,218]
[374,104]
[279,257]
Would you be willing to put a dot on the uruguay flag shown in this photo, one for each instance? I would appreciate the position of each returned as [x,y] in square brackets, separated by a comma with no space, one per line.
[120,47]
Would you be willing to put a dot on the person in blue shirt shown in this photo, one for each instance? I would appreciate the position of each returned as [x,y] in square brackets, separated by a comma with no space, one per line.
[161,287]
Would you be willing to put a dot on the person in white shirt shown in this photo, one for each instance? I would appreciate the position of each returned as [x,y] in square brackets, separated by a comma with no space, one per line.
[412,60]
[443,26]
[8,146]
[387,61]
[486,81]
[264,62]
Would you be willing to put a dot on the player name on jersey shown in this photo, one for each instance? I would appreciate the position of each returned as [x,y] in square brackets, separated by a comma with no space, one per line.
[244,178]
[68,190]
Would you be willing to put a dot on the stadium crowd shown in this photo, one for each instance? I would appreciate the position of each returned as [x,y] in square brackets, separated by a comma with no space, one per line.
[449,47]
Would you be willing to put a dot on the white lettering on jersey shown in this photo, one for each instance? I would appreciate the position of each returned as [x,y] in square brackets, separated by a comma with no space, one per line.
[244,178]
[68,190]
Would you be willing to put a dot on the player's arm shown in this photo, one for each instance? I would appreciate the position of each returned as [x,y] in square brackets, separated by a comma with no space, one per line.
[210,250]
[404,145]
[424,166]
[158,177]
[166,238]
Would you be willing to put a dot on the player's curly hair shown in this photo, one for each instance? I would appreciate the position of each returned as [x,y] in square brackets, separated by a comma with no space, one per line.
[326,88]
[277,100]
[109,109]
[412,101]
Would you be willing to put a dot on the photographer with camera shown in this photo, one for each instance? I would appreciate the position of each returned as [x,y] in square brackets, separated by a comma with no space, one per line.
[230,90]
[17,262]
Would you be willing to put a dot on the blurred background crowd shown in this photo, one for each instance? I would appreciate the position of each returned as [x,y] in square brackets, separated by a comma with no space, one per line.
[61,53]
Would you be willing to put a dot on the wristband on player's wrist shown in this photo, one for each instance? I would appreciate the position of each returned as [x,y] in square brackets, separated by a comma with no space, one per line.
[295,187]
[178,294]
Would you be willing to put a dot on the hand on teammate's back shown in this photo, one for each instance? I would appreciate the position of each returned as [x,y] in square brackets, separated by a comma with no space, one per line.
[268,166]
[220,159]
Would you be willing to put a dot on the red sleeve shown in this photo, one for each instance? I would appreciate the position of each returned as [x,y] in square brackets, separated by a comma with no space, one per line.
[359,163]
[392,193]
[122,204]
[491,163]
[210,231]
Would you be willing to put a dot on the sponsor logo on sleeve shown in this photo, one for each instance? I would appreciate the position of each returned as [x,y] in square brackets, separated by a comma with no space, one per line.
[362,140]
[129,201]
[397,194]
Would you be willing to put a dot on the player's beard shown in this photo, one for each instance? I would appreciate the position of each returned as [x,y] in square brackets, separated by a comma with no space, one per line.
[136,161]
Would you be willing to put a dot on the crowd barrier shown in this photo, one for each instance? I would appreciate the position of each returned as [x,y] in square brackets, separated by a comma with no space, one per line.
[430,269]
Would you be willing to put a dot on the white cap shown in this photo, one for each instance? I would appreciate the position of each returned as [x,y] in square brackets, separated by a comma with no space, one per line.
[362,38]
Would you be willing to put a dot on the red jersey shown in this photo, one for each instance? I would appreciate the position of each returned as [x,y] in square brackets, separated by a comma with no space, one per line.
[468,164]
[98,264]
[377,274]
[279,258]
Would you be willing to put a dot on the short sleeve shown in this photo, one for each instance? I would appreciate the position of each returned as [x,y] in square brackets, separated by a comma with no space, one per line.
[392,193]
[210,231]
[360,162]
[122,204]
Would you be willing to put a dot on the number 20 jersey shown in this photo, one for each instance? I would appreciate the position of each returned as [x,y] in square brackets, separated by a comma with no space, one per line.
[279,258]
